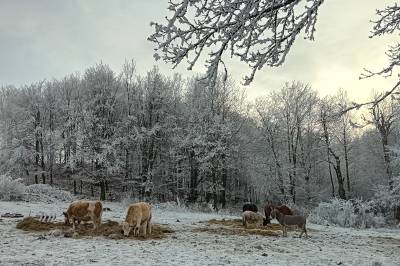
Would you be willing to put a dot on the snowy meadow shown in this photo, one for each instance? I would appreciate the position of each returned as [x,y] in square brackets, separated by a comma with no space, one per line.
[209,166]
[196,238]
[327,245]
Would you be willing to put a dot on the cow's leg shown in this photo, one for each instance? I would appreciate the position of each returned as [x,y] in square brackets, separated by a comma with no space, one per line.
[96,221]
[305,230]
[73,224]
[144,225]
[137,228]
[149,226]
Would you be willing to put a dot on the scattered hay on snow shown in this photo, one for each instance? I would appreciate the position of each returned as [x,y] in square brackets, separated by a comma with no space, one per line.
[235,227]
[236,231]
[108,229]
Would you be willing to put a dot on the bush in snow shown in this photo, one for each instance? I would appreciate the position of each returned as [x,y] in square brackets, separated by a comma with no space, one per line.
[46,193]
[346,214]
[11,189]
[386,199]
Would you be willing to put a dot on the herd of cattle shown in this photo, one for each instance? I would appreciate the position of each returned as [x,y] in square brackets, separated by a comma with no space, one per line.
[139,216]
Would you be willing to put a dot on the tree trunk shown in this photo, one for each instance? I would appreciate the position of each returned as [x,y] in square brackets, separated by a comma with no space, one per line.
[37,146]
[346,159]
[102,190]
[126,163]
[386,156]
[51,174]
[326,138]
[339,176]
[194,174]
[224,187]
[75,191]
[42,159]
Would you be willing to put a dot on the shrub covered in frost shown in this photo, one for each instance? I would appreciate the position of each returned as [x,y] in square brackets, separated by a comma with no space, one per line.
[385,199]
[355,213]
[14,189]
[46,193]
[11,189]
[184,207]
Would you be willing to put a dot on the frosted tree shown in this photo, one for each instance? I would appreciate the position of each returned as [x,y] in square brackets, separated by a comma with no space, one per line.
[288,122]
[17,134]
[99,125]
[257,32]
[383,116]
[210,140]
[336,132]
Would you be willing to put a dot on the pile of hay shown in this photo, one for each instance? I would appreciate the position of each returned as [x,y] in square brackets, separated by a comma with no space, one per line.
[235,227]
[108,229]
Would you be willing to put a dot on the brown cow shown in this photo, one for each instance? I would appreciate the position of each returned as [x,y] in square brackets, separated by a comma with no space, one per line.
[268,209]
[137,216]
[83,210]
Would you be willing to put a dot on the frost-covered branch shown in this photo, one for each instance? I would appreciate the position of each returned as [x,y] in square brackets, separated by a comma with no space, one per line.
[388,22]
[258,32]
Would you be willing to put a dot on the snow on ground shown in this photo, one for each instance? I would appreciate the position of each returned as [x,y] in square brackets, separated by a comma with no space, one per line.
[326,245]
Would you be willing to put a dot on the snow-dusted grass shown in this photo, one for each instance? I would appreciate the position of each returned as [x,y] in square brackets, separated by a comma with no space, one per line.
[187,246]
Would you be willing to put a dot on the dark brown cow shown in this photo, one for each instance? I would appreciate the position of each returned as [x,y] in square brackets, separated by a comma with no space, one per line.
[268,209]
[250,207]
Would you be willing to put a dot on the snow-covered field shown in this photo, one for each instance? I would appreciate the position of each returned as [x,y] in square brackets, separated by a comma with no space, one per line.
[326,245]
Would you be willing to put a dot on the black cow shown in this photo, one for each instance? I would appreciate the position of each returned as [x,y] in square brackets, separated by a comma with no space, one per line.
[250,207]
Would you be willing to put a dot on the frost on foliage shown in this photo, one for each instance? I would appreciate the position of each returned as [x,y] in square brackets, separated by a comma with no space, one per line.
[386,199]
[14,189]
[257,32]
[11,189]
[346,214]
[46,193]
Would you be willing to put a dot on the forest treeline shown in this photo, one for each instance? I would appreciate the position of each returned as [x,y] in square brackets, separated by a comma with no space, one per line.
[114,135]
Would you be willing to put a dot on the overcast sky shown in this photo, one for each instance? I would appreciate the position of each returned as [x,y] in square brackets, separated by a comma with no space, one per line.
[45,39]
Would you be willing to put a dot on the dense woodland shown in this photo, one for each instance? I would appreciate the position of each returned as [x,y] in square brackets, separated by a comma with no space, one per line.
[114,135]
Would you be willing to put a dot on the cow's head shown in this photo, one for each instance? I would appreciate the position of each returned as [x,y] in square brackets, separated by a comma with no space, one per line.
[66,218]
[126,228]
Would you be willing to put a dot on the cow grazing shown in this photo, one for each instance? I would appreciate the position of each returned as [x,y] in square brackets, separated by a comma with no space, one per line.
[268,209]
[252,217]
[83,210]
[250,207]
[137,216]
[286,220]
